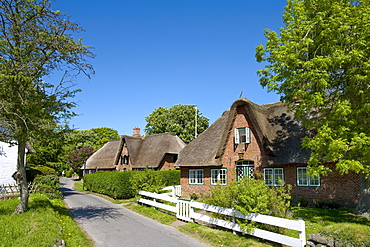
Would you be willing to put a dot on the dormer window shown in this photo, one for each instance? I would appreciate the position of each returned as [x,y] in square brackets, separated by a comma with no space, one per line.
[242,135]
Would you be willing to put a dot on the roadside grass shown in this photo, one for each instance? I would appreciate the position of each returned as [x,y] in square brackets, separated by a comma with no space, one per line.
[44,224]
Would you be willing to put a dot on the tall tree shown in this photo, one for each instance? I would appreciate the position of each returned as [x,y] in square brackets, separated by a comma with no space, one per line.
[321,59]
[34,42]
[184,120]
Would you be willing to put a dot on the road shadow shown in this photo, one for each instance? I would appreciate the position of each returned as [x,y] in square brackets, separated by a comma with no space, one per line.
[89,213]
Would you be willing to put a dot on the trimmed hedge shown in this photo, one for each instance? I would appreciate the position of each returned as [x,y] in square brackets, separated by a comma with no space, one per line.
[124,185]
[114,184]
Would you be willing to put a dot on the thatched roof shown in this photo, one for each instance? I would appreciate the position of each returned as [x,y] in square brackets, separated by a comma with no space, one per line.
[145,151]
[149,151]
[274,126]
[105,157]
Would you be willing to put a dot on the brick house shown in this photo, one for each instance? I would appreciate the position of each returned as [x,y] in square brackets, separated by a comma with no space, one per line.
[264,139]
[158,152]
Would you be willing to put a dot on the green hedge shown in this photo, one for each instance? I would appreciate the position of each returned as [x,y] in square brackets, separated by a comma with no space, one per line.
[124,185]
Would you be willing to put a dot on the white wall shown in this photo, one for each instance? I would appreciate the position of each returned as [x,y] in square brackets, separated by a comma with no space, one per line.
[8,163]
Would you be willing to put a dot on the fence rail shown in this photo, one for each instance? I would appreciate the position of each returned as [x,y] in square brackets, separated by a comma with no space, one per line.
[185,211]
[10,191]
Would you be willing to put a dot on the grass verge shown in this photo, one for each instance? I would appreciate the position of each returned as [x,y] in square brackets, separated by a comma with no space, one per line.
[44,224]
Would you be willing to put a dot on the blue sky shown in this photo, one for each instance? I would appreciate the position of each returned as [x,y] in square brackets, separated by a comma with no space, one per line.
[152,53]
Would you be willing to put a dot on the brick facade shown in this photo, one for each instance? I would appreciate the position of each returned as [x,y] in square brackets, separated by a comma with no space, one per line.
[343,190]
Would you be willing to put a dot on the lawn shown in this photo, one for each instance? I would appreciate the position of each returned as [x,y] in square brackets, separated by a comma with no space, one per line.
[47,222]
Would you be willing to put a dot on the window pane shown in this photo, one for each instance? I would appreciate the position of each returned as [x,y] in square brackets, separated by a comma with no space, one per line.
[268,176]
[242,135]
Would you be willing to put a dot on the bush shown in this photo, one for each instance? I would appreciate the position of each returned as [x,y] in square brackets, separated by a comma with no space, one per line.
[45,170]
[32,172]
[114,184]
[49,184]
[348,234]
[69,173]
[252,196]
[324,204]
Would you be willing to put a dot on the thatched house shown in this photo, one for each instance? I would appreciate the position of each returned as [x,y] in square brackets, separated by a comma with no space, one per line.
[265,139]
[158,152]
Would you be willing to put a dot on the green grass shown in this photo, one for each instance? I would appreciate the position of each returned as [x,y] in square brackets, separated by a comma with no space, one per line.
[43,224]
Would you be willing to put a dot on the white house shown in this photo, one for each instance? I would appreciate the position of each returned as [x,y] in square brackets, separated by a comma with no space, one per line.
[8,161]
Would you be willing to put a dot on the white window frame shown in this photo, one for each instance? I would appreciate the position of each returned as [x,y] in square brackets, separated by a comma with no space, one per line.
[272,176]
[240,134]
[303,179]
[219,176]
[196,176]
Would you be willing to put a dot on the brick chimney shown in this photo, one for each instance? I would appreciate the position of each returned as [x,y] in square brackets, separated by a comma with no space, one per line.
[136,132]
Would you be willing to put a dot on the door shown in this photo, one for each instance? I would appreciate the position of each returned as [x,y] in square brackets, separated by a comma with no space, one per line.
[244,168]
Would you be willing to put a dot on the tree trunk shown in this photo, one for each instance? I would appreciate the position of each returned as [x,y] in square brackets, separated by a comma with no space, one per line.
[21,178]
[363,206]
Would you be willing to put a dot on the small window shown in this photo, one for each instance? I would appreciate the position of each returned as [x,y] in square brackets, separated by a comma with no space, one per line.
[273,176]
[303,179]
[196,176]
[218,176]
[242,135]
[124,160]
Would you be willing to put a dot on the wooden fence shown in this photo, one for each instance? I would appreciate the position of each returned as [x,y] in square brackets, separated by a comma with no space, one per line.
[10,191]
[185,211]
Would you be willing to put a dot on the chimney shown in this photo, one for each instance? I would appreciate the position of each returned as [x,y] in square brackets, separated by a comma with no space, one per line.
[136,132]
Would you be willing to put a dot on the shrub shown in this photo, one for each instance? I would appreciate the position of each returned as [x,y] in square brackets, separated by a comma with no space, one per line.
[49,184]
[348,234]
[252,196]
[32,172]
[324,204]
[114,184]
[69,173]
[45,170]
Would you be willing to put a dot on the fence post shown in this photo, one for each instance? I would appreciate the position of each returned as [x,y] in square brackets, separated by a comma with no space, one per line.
[302,232]
[233,210]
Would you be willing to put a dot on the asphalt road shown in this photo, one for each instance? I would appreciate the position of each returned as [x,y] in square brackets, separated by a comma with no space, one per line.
[109,224]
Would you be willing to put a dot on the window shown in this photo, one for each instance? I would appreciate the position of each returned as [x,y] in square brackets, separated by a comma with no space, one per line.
[244,168]
[303,179]
[218,176]
[272,176]
[124,160]
[242,135]
[196,176]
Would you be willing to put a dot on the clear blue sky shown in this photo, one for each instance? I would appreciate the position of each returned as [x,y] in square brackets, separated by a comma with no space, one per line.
[152,53]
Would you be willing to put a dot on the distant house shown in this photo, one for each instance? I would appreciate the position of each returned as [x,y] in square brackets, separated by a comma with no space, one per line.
[264,139]
[8,161]
[158,152]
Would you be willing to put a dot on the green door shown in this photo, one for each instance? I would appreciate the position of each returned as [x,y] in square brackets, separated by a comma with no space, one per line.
[244,168]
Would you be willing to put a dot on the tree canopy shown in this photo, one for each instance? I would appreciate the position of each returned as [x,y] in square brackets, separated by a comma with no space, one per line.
[36,41]
[319,64]
[185,121]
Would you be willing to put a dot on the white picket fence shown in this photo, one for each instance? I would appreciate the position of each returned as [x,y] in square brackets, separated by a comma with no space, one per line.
[185,211]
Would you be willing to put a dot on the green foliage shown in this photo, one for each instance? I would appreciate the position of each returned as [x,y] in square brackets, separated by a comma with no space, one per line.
[348,234]
[104,135]
[114,184]
[32,172]
[179,119]
[77,158]
[49,185]
[125,185]
[69,173]
[320,59]
[252,196]
[45,170]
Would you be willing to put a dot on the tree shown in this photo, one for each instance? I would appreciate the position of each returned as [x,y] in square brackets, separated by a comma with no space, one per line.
[36,41]
[321,60]
[184,120]
[76,158]
[104,135]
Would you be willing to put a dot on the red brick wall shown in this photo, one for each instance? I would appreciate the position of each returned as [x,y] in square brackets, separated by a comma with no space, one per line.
[168,162]
[344,190]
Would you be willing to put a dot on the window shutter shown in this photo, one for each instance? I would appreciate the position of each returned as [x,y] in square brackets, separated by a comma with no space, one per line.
[248,135]
[236,136]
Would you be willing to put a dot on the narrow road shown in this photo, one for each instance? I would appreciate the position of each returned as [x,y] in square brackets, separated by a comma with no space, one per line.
[109,224]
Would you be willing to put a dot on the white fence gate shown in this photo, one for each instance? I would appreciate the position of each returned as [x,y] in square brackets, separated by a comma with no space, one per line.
[185,211]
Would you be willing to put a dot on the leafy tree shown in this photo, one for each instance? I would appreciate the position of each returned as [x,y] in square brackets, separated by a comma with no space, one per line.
[321,59]
[103,136]
[34,42]
[76,158]
[184,120]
